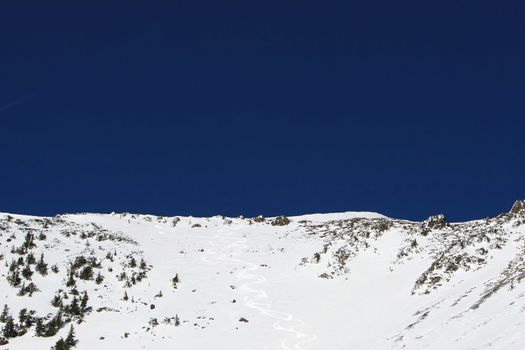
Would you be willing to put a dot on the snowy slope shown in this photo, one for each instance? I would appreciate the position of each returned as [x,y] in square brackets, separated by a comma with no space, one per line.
[324,281]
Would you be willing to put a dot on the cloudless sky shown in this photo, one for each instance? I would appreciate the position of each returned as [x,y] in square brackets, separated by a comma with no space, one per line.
[202,108]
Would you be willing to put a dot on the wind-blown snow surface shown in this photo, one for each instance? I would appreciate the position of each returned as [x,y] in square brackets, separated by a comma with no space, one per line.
[324,281]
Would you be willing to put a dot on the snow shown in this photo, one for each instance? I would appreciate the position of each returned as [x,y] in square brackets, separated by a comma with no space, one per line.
[234,269]
[318,218]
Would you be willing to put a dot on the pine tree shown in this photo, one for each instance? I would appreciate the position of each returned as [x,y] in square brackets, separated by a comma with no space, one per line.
[86,273]
[9,330]
[143,264]
[29,289]
[14,278]
[71,340]
[22,315]
[84,301]
[5,314]
[28,241]
[13,266]
[31,259]
[125,296]
[26,272]
[74,309]
[41,266]
[79,262]
[25,319]
[177,321]
[71,279]
[54,325]
[40,330]
[61,345]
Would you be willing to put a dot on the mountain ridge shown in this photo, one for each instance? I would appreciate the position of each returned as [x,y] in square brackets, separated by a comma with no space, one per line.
[355,280]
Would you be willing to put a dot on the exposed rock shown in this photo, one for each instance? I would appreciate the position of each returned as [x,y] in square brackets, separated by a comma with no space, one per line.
[518,207]
[435,222]
[280,221]
[259,218]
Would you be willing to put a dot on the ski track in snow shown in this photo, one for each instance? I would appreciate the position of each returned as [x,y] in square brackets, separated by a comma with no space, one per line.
[228,247]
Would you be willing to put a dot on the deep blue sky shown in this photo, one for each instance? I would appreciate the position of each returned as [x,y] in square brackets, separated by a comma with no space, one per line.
[405,108]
